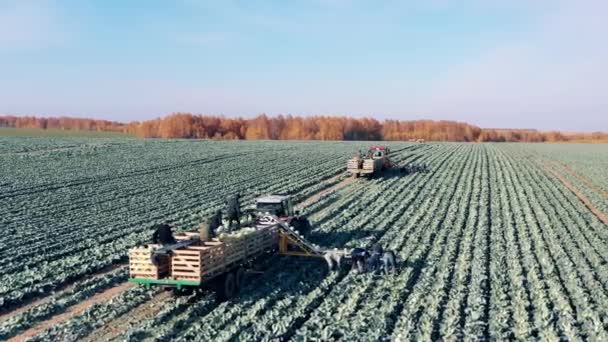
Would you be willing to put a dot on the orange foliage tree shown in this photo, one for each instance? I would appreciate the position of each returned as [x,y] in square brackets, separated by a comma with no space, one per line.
[187,126]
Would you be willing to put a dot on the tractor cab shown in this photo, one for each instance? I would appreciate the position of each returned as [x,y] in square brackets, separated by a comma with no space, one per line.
[282,207]
[378,152]
[278,205]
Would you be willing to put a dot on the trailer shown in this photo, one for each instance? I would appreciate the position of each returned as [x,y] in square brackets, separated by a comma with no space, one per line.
[219,264]
[372,163]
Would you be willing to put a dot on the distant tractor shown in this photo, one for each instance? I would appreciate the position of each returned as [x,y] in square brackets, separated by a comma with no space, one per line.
[372,163]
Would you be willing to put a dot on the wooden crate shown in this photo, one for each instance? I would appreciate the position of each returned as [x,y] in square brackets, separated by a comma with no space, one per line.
[270,238]
[196,262]
[186,235]
[235,250]
[141,266]
[262,240]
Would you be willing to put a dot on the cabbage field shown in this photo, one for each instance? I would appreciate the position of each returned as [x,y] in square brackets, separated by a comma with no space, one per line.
[497,241]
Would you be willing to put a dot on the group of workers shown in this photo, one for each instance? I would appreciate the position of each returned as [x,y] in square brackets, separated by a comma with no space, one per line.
[414,167]
[378,259]
[163,233]
[363,260]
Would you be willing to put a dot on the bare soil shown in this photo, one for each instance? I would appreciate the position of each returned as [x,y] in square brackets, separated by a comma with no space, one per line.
[72,311]
[314,198]
[583,179]
[120,324]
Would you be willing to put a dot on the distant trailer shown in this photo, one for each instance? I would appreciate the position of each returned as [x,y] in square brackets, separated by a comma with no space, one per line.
[373,162]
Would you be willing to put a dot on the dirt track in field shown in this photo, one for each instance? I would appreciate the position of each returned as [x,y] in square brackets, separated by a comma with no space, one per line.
[119,324]
[72,311]
[6,315]
[324,192]
[600,214]
[583,179]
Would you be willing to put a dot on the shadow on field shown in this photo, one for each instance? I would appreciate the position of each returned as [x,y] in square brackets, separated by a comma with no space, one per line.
[338,239]
[417,265]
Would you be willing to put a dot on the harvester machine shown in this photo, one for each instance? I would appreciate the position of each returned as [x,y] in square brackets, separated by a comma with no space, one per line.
[221,263]
[377,160]
[372,163]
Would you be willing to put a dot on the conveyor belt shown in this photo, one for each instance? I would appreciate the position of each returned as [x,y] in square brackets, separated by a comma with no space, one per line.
[303,243]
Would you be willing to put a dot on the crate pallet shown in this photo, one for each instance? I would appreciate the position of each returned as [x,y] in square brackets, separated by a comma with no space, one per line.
[141,266]
[186,235]
[195,262]
[234,250]
[201,260]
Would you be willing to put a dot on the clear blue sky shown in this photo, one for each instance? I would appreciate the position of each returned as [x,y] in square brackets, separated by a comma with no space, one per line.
[518,63]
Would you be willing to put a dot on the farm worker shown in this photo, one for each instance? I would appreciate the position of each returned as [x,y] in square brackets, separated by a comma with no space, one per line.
[215,222]
[204,232]
[374,260]
[359,257]
[330,260]
[333,259]
[233,212]
[163,235]
[388,261]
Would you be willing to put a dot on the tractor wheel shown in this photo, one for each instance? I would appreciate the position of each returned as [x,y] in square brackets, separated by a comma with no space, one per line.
[240,278]
[226,287]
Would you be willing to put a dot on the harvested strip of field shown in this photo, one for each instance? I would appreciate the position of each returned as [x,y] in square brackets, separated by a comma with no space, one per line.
[600,214]
[71,311]
[339,185]
[583,179]
[119,324]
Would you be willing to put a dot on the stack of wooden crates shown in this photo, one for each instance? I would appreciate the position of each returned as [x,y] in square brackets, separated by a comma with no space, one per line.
[202,259]
[141,266]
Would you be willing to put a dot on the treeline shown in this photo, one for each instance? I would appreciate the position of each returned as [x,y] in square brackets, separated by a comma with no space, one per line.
[189,126]
[64,123]
[184,125]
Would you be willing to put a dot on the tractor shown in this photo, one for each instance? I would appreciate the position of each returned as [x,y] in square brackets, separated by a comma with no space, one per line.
[371,164]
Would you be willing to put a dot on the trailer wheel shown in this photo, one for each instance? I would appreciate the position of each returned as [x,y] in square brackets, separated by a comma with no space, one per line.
[226,287]
[240,278]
